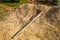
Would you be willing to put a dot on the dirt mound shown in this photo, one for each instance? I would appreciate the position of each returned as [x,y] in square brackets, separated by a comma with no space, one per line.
[45,27]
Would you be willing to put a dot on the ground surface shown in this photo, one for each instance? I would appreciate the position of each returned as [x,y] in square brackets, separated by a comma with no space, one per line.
[45,27]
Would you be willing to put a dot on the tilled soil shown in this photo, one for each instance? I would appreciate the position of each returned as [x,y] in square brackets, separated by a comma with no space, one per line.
[45,27]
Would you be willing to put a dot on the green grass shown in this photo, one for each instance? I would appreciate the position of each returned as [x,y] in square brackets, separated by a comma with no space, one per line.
[14,4]
[11,4]
[58,2]
[23,1]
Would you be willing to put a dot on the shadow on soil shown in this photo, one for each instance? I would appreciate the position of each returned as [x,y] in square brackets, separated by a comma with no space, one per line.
[52,17]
